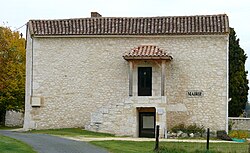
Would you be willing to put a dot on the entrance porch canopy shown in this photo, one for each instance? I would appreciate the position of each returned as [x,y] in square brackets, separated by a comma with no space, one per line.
[147,52]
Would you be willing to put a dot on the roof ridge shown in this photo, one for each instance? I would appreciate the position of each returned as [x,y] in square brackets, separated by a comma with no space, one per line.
[164,25]
[136,17]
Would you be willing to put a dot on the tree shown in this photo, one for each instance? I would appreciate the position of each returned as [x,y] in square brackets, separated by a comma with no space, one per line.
[12,71]
[238,83]
[247,110]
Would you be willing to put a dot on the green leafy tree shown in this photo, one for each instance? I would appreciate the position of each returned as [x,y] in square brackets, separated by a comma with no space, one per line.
[238,83]
[12,71]
[247,110]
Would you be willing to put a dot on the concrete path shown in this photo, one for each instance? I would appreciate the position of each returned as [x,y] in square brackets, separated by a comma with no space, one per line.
[43,143]
[82,138]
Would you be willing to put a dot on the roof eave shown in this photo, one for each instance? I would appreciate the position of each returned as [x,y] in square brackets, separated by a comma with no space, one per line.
[147,58]
[126,34]
[30,27]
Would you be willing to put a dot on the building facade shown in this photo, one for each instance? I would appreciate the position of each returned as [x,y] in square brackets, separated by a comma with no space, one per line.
[127,75]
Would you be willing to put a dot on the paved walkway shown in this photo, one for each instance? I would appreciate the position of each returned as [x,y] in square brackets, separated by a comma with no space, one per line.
[82,138]
[43,143]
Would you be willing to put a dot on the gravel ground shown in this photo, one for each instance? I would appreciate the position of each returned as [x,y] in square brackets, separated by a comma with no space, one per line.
[43,143]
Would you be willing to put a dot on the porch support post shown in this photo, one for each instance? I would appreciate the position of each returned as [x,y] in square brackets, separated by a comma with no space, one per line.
[130,78]
[163,75]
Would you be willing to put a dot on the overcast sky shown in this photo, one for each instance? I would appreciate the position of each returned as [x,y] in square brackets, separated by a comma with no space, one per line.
[15,13]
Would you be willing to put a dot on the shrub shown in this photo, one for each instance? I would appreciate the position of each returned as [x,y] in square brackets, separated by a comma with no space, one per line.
[179,127]
[230,124]
[193,128]
[238,134]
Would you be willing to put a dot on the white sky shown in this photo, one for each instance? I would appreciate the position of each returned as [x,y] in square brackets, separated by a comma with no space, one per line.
[15,13]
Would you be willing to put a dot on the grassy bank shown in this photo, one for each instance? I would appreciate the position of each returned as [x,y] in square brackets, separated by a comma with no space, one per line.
[170,147]
[148,147]
[71,132]
[7,128]
[9,145]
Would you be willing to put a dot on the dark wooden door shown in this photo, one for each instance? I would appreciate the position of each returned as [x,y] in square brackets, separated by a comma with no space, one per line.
[147,124]
[144,81]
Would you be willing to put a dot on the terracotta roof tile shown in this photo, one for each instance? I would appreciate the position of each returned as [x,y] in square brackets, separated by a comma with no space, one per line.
[168,25]
[147,52]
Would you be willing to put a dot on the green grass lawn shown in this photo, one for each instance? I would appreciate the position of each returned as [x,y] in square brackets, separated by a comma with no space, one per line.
[9,145]
[170,147]
[7,128]
[147,147]
[125,146]
[73,132]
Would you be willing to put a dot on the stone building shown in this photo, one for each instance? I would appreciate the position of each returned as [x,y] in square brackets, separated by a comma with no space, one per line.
[125,75]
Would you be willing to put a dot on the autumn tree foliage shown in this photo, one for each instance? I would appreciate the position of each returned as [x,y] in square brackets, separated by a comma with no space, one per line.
[12,71]
[238,83]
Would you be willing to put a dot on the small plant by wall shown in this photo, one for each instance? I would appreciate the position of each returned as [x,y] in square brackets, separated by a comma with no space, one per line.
[238,134]
[230,124]
[183,130]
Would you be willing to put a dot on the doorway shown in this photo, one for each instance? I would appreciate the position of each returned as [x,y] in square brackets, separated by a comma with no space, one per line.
[147,122]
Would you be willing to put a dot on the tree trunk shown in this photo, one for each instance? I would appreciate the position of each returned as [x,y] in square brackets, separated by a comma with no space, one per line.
[2,116]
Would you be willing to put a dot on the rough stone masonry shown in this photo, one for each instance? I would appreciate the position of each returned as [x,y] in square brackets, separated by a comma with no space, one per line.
[82,80]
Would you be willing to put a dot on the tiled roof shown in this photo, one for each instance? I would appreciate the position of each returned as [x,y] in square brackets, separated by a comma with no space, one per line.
[167,25]
[147,52]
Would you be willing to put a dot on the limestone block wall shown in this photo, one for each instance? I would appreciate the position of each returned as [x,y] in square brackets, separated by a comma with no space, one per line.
[123,118]
[199,64]
[14,119]
[239,123]
[83,82]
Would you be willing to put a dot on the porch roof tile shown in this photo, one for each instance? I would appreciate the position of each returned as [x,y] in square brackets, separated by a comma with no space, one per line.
[147,52]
